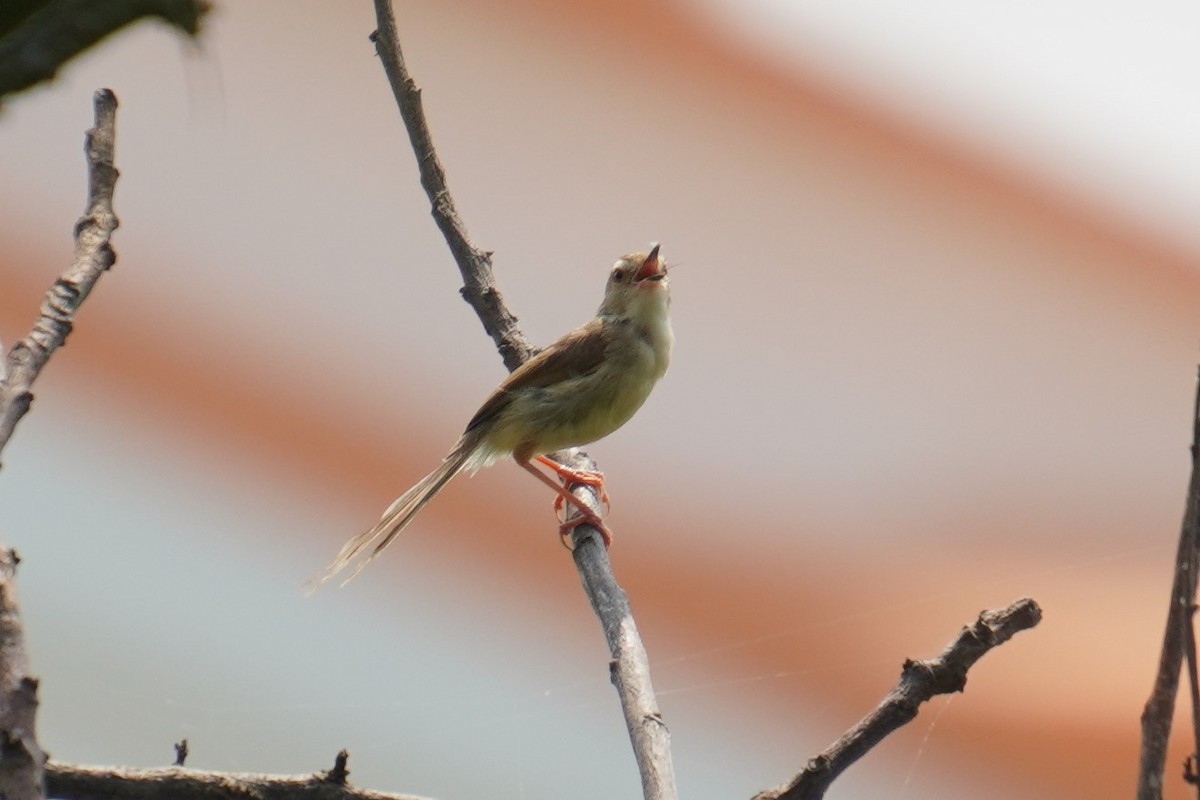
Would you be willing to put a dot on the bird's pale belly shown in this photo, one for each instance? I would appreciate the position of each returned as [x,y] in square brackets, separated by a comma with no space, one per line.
[574,412]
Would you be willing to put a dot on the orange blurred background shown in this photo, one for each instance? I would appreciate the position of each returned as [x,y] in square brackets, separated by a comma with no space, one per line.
[918,373]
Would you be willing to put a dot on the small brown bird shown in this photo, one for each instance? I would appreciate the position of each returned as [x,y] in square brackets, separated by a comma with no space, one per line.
[579,389]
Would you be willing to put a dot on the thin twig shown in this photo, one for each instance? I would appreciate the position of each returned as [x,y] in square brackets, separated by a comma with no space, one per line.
[71,782]
[1160,707]
[475,265]
[93,255]
[919,681]
[36,46]
[21,757]
[630,666]
[1189,649]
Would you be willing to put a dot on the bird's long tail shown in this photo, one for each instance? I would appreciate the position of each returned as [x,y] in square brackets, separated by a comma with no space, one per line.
[395,518]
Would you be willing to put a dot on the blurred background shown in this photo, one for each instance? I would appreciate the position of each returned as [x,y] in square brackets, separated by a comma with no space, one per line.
[937,308]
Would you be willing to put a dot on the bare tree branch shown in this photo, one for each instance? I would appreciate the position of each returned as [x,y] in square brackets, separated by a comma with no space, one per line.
[70,782]
[475,265]
[21,757]
[1189,648]
[37,38]
[919,681]
[1160,707]
[93,255]
[630,668]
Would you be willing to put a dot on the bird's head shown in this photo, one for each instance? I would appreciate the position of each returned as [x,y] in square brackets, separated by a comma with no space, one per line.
[637,286]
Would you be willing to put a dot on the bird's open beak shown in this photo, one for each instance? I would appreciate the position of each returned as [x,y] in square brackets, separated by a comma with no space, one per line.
[652,268]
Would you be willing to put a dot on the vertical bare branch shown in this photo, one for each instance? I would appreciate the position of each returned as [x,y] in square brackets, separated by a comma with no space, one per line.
[630,668]
[21,757]
[93,255]
[1159,708]
[1189,648]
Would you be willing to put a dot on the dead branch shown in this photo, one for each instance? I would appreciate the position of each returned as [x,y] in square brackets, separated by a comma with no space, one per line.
[21,757]
[93,255]
[475,265]
[1160,707]
[919,681]
[70,782]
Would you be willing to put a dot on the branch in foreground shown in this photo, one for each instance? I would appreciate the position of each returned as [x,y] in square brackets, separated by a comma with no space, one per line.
[93,255]
[919,681]
[21,757]
[1160,707]
[630,668]
[34,47]
[69,782]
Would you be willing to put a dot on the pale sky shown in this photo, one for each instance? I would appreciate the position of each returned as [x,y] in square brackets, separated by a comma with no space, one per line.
[1101,100]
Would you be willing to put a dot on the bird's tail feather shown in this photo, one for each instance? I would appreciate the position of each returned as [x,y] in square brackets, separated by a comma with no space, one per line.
[395,518]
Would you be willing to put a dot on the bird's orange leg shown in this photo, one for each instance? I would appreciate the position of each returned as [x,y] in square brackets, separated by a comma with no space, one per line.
[588,477]
[570,475]
[586,514]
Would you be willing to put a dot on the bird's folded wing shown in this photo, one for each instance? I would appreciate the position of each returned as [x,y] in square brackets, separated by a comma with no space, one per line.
[578,353]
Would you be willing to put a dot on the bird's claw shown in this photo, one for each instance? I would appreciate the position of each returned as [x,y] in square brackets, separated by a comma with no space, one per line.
[571,477]
[560,501]
[568,527]
[587,477]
